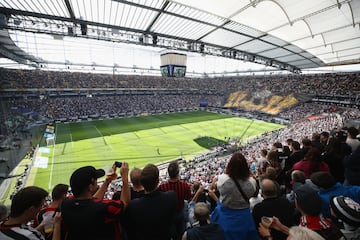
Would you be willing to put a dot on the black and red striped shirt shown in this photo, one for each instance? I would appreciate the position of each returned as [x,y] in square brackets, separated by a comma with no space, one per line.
[182,190]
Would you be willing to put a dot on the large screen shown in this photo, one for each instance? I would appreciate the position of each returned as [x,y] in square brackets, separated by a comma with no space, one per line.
[173,71]
[179,71]
[164,71]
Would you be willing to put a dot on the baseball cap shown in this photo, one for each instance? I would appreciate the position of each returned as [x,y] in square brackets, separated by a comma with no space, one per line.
[308,200]
[82,177]
[346,210]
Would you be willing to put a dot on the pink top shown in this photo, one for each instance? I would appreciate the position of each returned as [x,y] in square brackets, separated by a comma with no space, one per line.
[305,167]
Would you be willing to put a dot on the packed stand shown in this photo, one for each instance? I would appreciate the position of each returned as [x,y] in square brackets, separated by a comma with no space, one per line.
[326,84]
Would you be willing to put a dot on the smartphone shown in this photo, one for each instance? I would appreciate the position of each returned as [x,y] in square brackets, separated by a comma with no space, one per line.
[118,164]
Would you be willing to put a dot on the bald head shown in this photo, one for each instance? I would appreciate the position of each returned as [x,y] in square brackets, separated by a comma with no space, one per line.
[269,189]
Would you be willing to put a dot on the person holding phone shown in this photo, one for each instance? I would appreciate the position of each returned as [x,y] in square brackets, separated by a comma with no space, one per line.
[88,215]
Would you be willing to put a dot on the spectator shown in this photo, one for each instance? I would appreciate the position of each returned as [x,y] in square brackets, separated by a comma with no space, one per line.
[199,196]
[295,156]
[297,180]
[273,205]
[213,195]
[308,202]
[352,168]
[351,139]
[328,188]
[137,190]
[58,194]
[151,216]
[348,211]
[316,143]
[306,145]
[311,163]
[263,153]
[183,192]
[324,139]
[335,153]
[232,211]
[24,207]
[87,215]
[202,228]
[273,161]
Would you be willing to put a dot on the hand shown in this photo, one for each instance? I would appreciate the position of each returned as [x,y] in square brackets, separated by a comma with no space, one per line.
[276,224]
[213,185]
[263,231]
[124,170]
[41,226]
[57,218]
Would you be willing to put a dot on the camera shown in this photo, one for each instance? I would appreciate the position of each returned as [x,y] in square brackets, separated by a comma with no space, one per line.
[118,164]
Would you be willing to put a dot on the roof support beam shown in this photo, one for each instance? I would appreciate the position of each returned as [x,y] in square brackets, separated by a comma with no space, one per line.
[70,10]
[9,11]
[166,3]
[12,56]
[352,14]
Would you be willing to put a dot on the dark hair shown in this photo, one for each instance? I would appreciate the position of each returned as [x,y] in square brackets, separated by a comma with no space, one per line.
[306,142]
[264,152]
[273,157]
[295,145]
[314,157]
[59,191]
[298,176]
[277,145]
[325,134]
[238,167]
[323,179]
[150,177]
[135,175]
[173,169]
[353,132]
[27,197]
[315,136]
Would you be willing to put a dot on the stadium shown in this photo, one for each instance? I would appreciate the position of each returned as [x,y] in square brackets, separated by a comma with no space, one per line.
[98,81]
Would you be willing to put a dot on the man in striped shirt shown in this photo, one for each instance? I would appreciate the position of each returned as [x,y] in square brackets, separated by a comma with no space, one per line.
[183,192]
[24,207]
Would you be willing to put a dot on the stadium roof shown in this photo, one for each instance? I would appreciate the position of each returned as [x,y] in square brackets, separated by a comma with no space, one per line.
[284,34]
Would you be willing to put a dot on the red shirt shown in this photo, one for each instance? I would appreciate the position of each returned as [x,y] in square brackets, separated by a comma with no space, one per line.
[182,190]
[305,166]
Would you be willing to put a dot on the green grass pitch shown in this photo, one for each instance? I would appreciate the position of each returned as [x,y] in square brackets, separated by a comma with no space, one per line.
[138,141]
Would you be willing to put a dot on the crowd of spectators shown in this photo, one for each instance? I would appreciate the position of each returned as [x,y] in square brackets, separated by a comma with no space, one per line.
[68,107]
[304,110]
[259,207]
[327,84]
[229,184]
